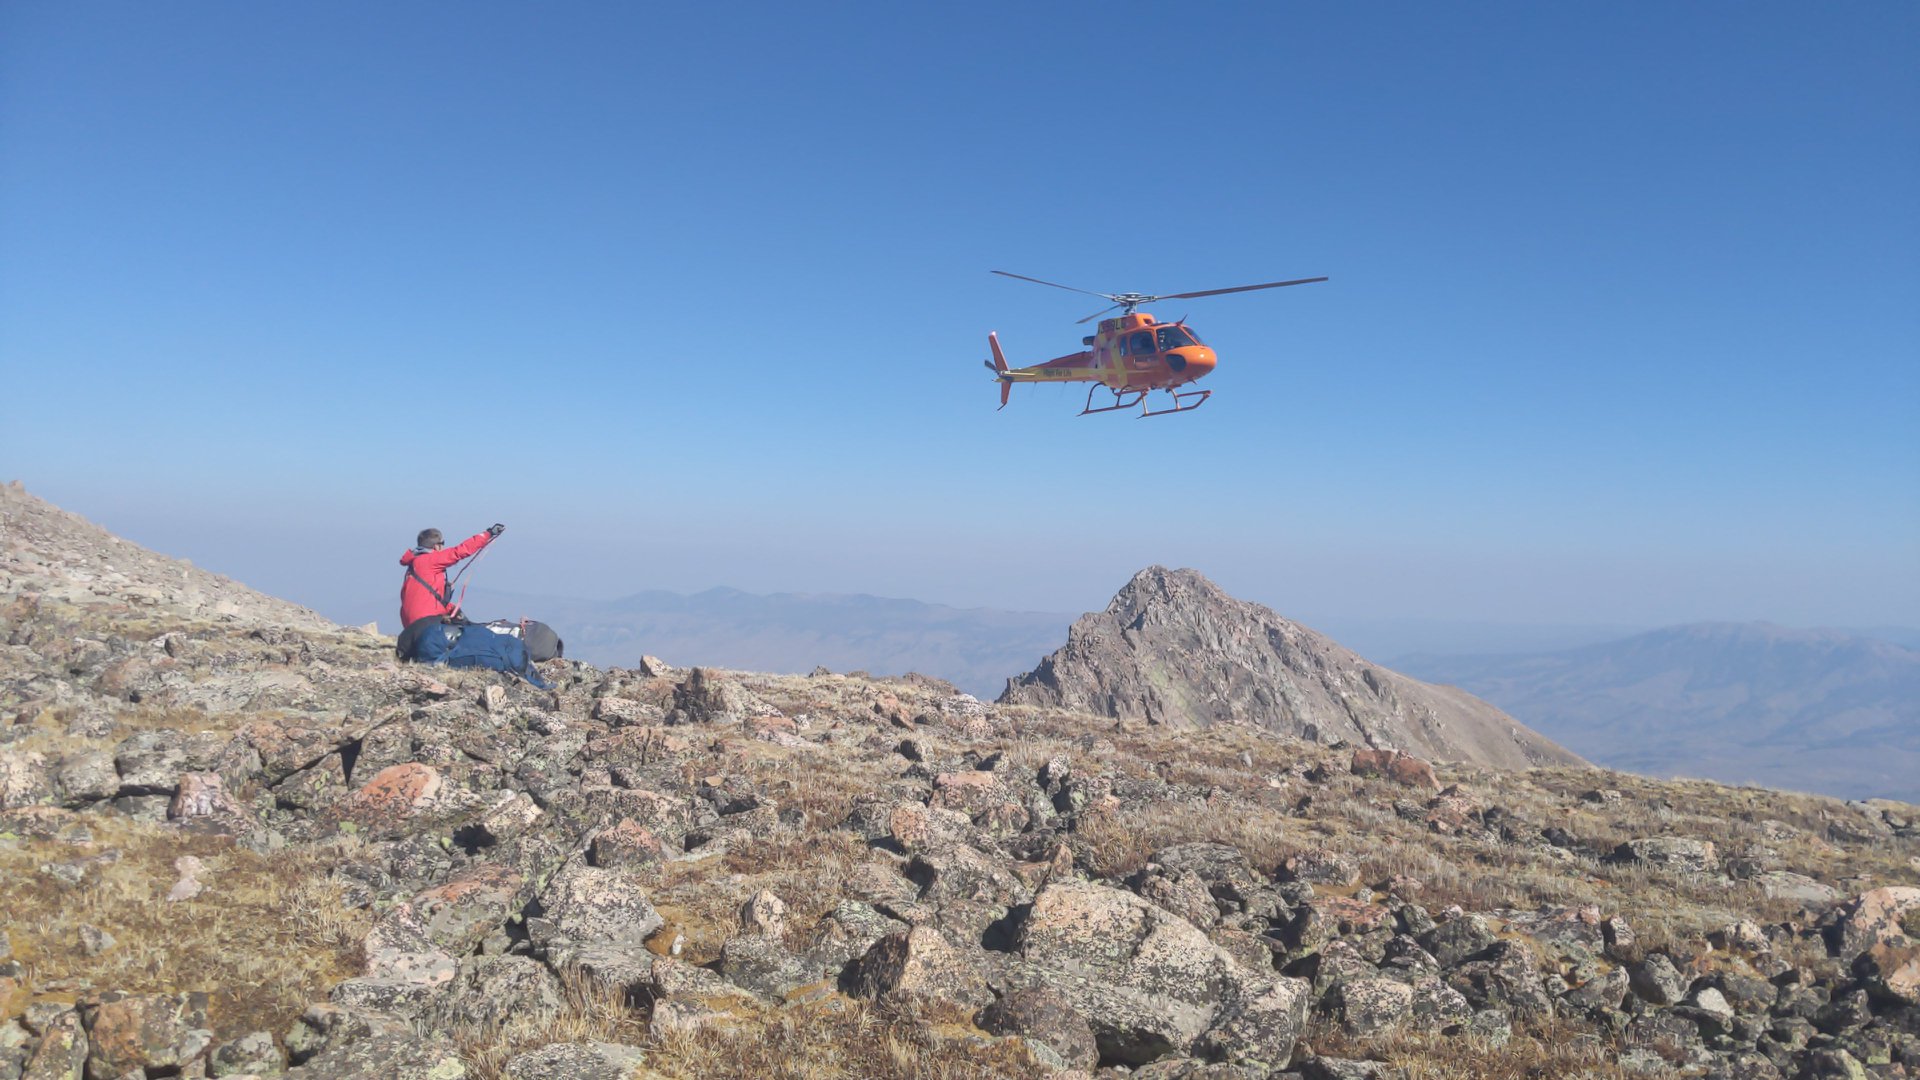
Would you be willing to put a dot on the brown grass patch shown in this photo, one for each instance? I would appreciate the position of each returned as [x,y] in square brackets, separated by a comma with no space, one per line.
[1537,1051]
[268,935]
[838,1038]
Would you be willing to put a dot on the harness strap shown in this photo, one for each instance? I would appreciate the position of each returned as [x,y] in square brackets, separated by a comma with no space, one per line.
[431,591]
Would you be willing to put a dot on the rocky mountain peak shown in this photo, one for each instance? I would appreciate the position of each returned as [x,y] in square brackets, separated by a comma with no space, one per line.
[1174,648]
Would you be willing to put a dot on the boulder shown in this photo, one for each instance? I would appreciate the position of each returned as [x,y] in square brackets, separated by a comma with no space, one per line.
[1874,916]
[1371,1006]
[459,914]
[491,990]
[145,1031]
[577,1061]
[1680,855]
[1044,1018]
[919,962]
[590,905]
[1148,982]
[253,1053]
[627,843]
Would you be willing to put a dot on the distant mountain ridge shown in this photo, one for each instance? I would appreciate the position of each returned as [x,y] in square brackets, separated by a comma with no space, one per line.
[973,648]
[1173,648]
[1814,710]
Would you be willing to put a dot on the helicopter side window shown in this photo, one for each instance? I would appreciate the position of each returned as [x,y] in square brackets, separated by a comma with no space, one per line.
[1172,337]
[1140,344]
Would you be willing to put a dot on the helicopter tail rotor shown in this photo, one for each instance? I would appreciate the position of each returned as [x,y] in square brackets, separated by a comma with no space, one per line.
[999,365]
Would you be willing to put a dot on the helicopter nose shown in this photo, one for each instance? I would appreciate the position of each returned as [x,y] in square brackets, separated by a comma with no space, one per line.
[1191,361]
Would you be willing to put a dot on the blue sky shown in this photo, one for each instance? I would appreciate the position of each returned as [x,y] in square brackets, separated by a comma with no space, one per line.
[1622,327]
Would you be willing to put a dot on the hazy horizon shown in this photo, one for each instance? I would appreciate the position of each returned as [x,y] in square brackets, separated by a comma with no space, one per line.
[370,594]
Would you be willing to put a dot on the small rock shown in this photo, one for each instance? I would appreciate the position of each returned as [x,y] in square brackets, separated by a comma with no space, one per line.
[94,941]
[1657,980]
[189,885]
[765,915]
[1400,767]
[251,1054]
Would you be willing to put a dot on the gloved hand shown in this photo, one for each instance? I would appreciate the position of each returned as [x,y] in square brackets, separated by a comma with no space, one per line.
[496,529]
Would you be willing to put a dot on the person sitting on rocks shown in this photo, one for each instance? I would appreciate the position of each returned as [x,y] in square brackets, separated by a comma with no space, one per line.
[424,592]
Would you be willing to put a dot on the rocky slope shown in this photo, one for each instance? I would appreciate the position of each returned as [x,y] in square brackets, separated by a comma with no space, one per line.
[249,846]
[1173,649]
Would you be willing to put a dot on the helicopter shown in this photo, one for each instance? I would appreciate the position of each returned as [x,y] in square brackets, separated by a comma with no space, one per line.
[1131,355]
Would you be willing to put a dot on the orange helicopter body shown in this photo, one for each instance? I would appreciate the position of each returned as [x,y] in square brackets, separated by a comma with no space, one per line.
[1131,355]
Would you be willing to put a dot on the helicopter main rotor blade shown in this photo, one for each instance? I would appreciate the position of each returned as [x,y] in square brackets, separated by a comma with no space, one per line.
[1238,288]
[1055,284]
[1095,315]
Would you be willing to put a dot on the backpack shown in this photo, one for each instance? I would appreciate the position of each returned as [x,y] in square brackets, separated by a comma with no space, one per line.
[541,641]
[446,639]
[426,640]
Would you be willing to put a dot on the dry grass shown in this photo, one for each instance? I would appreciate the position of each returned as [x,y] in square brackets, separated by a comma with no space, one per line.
[1118,844]
[1546,1050]
[266,937]
[838,1038]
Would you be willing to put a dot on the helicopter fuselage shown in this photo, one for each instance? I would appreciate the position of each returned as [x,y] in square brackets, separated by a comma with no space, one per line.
[1129,352]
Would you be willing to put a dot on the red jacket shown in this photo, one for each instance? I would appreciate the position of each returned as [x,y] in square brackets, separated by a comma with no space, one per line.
[417,601]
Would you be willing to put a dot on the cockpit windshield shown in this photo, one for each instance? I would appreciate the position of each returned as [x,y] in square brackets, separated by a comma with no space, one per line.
[1172,337]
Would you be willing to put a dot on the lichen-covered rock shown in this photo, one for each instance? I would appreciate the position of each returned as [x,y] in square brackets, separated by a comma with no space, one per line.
[577,1061]
[1679,854]
[61,1053]
[491,990]
[764,966]
[1148,982]
[458,915]
[144,1031]
[593,906]
[404,1055]
[1371,1006]
[1873,916]
[1258,1030]
[1045,1018]
[920,962]
[23,779]
[250,1054]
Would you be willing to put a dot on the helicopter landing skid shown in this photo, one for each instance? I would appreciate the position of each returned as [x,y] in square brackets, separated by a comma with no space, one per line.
[1199,398]
[1122,399]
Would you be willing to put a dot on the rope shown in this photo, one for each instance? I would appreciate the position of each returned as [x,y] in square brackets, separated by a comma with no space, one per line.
[460,604]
